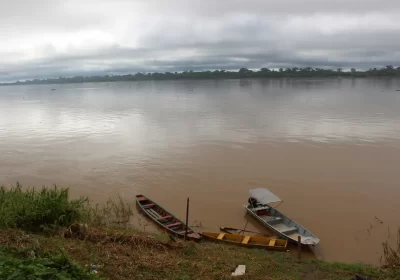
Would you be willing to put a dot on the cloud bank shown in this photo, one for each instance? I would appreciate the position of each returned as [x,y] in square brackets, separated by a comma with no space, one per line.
[46,38]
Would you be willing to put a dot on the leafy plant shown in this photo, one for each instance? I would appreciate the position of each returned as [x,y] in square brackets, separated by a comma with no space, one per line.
[39,210]
[58,267]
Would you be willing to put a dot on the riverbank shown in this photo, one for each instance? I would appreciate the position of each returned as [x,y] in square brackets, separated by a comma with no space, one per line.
[48,235]
[129,255]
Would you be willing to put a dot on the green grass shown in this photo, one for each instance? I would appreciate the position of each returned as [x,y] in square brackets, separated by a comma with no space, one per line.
[25,265]
[127,255]
[39,210]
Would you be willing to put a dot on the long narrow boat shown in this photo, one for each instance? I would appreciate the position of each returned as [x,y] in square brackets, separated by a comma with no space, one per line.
[247,241]
[260,208]
[165,219]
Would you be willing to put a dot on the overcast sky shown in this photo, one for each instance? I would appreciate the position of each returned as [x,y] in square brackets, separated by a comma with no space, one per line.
[47,38]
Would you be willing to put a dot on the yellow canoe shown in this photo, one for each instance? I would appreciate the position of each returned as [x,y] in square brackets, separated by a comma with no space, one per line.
[247,241]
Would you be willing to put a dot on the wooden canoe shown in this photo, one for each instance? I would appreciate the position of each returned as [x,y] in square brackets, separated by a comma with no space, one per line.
[165,219]
[248,241]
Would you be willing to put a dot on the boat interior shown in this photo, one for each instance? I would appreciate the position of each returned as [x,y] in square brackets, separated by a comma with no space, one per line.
[162,216]
[279,222]
[247,240]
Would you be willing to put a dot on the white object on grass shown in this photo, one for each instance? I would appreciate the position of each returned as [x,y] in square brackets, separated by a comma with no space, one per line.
[240,270]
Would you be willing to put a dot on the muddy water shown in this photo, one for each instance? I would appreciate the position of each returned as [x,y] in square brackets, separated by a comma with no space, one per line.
[329,148]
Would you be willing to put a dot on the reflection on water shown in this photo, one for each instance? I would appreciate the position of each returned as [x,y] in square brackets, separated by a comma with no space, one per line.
[187,111]
[326,145]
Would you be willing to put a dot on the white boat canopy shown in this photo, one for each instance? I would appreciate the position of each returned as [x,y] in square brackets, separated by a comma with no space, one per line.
[264,195]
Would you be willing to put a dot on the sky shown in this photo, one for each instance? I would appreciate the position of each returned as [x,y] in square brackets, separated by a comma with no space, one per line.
[51,38]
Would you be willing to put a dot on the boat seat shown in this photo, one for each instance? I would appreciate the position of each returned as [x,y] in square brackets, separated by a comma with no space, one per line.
[164,218]
[220,236]
[289,230]
[142,198]
[173,225]
[246,240]
[148,205]
[275,220]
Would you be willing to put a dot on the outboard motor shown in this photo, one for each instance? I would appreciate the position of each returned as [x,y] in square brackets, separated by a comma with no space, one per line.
[253,202]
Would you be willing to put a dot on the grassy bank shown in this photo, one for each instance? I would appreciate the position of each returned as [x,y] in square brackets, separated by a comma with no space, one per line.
[36,238]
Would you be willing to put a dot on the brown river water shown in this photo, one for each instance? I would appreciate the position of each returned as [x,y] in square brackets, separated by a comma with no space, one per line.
[330,148]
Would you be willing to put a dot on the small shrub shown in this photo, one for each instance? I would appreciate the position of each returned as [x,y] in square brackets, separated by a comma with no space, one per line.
[113,213]
[58,267]
[391,256]
[39,210]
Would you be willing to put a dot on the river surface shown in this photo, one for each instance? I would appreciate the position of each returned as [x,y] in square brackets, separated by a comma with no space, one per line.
[330,148]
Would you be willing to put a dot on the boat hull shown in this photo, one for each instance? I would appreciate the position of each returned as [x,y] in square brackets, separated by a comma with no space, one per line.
[247,241]
[282,225]
[165,219]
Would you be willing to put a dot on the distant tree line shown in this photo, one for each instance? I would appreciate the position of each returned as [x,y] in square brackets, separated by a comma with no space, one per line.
[294,72]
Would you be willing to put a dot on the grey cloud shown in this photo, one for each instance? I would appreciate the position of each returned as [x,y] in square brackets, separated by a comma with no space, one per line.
[64,38]
[272,7]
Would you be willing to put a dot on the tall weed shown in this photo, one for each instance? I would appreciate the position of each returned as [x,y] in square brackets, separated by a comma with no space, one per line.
[39,210]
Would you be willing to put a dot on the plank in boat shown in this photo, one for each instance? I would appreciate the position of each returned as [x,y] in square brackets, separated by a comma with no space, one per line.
[247,240]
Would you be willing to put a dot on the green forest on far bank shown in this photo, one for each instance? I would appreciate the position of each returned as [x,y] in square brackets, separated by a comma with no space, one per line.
[294,72]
